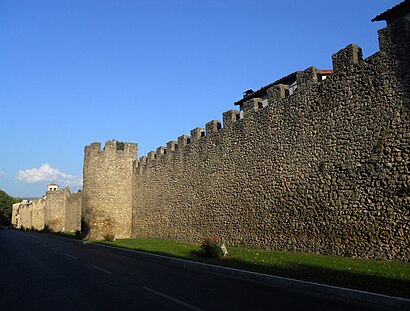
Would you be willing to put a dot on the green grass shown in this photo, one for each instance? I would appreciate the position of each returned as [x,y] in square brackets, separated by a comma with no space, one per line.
[385,277]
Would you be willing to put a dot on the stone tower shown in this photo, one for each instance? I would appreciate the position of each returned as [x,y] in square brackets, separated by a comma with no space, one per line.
[107,190]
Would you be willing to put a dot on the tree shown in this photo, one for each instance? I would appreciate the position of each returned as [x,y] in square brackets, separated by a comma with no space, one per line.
[6,204]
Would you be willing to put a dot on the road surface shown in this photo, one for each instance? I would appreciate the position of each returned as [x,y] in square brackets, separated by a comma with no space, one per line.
[39,272]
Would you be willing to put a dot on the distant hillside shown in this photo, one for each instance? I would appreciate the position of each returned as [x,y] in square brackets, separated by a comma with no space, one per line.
[6,202]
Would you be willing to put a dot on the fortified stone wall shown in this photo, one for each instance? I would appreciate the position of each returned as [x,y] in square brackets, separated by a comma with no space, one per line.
[15,215]
[38,214]
[73,212]
[55,209]
[26,216]
[326,169]
[107,194]
[58,210]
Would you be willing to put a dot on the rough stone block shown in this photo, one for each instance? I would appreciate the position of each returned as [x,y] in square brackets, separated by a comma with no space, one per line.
[352,54]
[197,133]
[251,105]
[152,155]
[230,117]
[171,146]
[212,126]
[305,79]
[161,151]
[183,140]
[277,92]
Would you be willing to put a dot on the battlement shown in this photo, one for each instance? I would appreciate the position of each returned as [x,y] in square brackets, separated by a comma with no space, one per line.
[300,82]
[212,127]
[230,117]
[112,148]
[349,56]
[93,148]
[171,146]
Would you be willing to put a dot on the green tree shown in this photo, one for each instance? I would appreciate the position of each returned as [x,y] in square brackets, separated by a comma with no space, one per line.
[6,203]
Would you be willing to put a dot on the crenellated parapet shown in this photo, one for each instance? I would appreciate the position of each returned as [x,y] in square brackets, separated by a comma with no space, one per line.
[347,57]
[277,92]
[230,117]
[252,105]
[112,148]
[197,134]
[212,127]
[93,149]
[184,140]
[300,82]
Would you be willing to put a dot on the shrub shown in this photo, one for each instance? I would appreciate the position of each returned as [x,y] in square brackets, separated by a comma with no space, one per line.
[213,247]
[109,237]
[78,234]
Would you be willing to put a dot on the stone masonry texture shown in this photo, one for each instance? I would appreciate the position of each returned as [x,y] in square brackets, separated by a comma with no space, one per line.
[107,194]
[73,212]
[57,211]
[38,214]
[325,170]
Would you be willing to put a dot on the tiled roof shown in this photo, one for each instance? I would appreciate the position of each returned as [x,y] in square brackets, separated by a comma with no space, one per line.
[284,80]
[395,12]
[289,79]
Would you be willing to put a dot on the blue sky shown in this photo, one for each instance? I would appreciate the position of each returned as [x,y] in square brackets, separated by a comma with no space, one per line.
[79,71]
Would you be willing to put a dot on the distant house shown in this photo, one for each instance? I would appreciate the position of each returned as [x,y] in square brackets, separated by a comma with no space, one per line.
[52,187]
[290,80]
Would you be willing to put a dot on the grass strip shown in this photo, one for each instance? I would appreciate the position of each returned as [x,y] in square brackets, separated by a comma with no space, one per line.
[384,277]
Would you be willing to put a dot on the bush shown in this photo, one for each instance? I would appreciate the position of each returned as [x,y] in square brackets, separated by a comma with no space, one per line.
[109,237]
[78,234]
[213,247]
[46,229]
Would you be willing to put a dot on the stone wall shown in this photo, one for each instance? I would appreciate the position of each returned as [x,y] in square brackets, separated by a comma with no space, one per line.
[107,194]
[58,211]
[15,215]
[26,216]
[325,170]
[38,214]
[73,212]
[55,209]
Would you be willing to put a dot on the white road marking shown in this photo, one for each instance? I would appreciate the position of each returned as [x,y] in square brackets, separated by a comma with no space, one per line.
[186,305]
[71,256]
[53,249]
[101,269]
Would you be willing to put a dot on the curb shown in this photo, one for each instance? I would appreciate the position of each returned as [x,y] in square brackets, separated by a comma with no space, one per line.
[266,279]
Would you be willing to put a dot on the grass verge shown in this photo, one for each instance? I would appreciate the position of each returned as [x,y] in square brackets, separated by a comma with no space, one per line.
[384,277]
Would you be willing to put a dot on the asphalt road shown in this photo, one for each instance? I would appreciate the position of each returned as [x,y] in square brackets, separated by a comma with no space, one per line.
[39,272]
